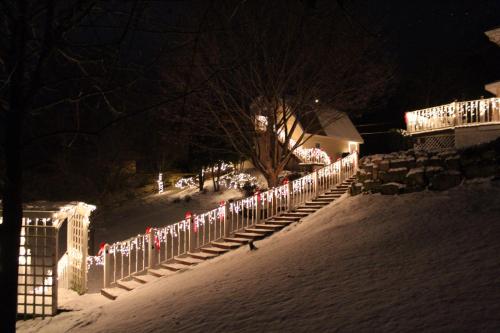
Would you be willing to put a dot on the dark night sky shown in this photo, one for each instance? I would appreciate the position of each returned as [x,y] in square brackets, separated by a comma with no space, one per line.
[441,51]
[439,46]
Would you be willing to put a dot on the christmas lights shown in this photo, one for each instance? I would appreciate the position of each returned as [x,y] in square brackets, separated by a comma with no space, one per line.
[197,222]
[307,155]
[160,183]
[454,114]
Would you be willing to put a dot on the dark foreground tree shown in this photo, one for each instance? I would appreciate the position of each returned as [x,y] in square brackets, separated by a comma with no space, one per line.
[67,69]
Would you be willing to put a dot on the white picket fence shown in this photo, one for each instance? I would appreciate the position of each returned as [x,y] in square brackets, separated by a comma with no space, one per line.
[135,255]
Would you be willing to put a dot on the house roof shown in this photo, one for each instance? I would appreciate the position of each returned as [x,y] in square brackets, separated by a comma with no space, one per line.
[324,120]
[494,35]
[340,127]
[330,122]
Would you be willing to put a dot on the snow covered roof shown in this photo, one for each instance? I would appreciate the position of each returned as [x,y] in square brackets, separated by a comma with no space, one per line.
[340,127]
[329,122]
[494,35]
[58,211]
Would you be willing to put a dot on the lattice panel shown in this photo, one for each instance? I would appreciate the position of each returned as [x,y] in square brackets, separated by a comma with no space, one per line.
[435,142]
[37,274]
[77,250]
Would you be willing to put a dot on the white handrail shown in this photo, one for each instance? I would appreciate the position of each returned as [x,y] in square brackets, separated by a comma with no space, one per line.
[137,254]
[454,114]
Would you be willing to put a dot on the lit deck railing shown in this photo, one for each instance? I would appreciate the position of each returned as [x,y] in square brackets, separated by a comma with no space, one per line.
[452,115]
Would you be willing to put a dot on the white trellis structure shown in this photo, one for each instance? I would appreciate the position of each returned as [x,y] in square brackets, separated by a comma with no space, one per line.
[124,259]
[41,267]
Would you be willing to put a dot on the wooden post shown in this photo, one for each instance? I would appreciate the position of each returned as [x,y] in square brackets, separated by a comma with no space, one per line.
[258,207]
[152,251]
[192,234]
[227,220]
[107,266]
[289,196]
[315,183]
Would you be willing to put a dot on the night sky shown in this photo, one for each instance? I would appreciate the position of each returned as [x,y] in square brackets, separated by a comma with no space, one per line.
[441,50]
[441,55]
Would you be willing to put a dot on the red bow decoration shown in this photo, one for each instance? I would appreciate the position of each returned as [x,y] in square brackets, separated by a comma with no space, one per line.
[157,242]
[101,248]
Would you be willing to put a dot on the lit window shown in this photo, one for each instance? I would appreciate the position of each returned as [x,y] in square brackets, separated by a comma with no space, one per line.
[261,123]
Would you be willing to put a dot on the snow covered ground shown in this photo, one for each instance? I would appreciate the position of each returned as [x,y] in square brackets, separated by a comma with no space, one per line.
[427,261]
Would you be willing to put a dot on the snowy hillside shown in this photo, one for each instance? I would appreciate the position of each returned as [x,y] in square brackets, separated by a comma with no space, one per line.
[425,261]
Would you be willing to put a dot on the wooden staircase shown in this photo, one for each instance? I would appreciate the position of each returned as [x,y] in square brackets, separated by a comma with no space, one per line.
[240,238]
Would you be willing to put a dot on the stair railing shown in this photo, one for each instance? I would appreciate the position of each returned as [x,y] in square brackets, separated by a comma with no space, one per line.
[124,259]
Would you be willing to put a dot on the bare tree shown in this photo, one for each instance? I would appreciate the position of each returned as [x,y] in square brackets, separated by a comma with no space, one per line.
[278,67]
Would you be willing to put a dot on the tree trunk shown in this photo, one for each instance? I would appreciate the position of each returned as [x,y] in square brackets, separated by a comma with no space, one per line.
[214,181]
[10,229]
[271,178]
[201,180]
[217,177]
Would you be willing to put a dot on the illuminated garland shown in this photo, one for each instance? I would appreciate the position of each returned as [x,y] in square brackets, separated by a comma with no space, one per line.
[237,180]
[307,155]
[160,183]
[217,215]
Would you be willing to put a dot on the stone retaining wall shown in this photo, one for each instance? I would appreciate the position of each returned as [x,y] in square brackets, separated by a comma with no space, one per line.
[416,170]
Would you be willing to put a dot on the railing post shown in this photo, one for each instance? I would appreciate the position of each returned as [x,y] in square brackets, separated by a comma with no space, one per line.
[290,196]
[227,220]
[192,234]
[152,250]
[258,207]
[107,266]
[315,183]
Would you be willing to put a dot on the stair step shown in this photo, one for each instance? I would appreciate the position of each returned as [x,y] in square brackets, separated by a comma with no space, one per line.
[286,218]
[214,250]
[318,204]
[283,223]
[128,285]
[248,235]
[226,245]
[203,255]
[188,261]
[326,201]
[143,278]
[159,272]
[259,231]
[306,210]
[236,240]
[174,267]
[269,226]
[113,293]
[330,195]
[295,214]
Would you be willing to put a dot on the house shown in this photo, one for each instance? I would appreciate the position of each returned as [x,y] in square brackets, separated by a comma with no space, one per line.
[329,131]
[324,134]
[458,124]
